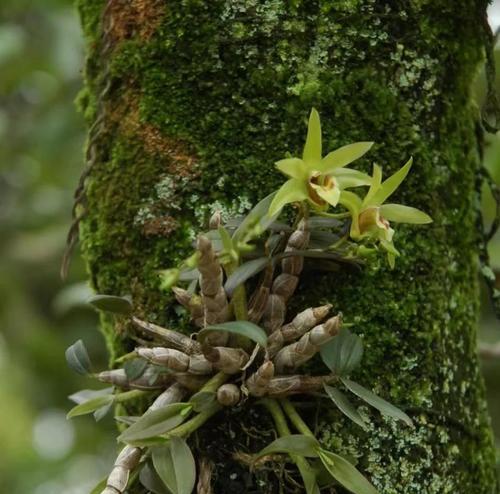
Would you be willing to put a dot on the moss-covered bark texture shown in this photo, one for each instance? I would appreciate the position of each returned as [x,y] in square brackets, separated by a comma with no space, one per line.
[192,101]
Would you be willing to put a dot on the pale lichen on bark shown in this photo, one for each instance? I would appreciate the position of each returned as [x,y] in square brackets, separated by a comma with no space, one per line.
[230,83]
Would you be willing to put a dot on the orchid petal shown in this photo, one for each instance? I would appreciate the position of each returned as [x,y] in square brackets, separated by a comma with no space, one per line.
[404,214]
[374,187]
[292,190]
[353,204]
[293,167]
[331,196]
[344,155]
[391,184]
[312,147]
[346,177]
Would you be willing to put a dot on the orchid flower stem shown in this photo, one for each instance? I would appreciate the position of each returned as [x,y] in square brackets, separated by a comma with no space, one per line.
[295,418]
[337,216]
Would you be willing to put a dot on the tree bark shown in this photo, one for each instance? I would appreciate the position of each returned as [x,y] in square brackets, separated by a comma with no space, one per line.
[191,102]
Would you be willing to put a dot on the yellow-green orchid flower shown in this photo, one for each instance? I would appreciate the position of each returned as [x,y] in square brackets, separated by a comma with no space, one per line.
[316,179]
[371,217]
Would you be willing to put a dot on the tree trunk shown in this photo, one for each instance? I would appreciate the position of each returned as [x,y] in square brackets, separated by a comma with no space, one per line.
[191,102]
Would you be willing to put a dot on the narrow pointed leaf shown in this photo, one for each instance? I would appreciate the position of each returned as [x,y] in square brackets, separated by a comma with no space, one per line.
[88,394]
[375,401]
[135,368]
[243,328]
[101,412]
[244,272]
[308,476]
[77,358]
[346,474]
[343,353]
[391,184]
[344,155]
[154,423]
[344,405]
[90,406]
[202,400]
[175,465]
[111,303]
[404,214]
[257,217]
[312,147]
[297,444]
[293,190]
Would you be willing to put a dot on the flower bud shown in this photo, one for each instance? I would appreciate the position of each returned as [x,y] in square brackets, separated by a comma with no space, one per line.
[228,395]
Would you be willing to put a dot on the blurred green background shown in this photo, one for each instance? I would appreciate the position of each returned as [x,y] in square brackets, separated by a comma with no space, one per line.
[41,157]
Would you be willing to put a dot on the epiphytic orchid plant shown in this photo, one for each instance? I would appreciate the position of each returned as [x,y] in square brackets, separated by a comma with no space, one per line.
[246,351]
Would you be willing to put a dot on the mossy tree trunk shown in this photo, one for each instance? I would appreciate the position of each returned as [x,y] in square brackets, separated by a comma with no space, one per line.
[190,103]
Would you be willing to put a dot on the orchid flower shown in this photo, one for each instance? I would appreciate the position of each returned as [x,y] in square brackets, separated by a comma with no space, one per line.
[371,217]
[316,179]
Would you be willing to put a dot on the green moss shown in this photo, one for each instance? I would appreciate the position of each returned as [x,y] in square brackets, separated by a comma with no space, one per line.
[234,81]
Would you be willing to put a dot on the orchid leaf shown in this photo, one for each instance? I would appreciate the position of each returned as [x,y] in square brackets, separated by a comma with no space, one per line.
[90,406]
[112,303]
[343,353]
[384,407]
[244,272]
[175,465]
[298,444]
[77,358]
[241,328]
[345,473]
[344,405]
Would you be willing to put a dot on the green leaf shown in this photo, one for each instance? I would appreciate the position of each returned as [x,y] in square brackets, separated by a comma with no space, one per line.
[308,476]
[344,405]
[154,423]
[404,214]
[135,368]
[375,401]
[175,465]
[111,303]
[101,412]
[243,328]
[257,218]
[87,394]
[151,481]
[312,148]
[391,184]
[202,400]
[343,353]
[244,272]
[294,444]
[345,473]
[344,155]
[90,406]
[293,190]
[100,486]
[77,358]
